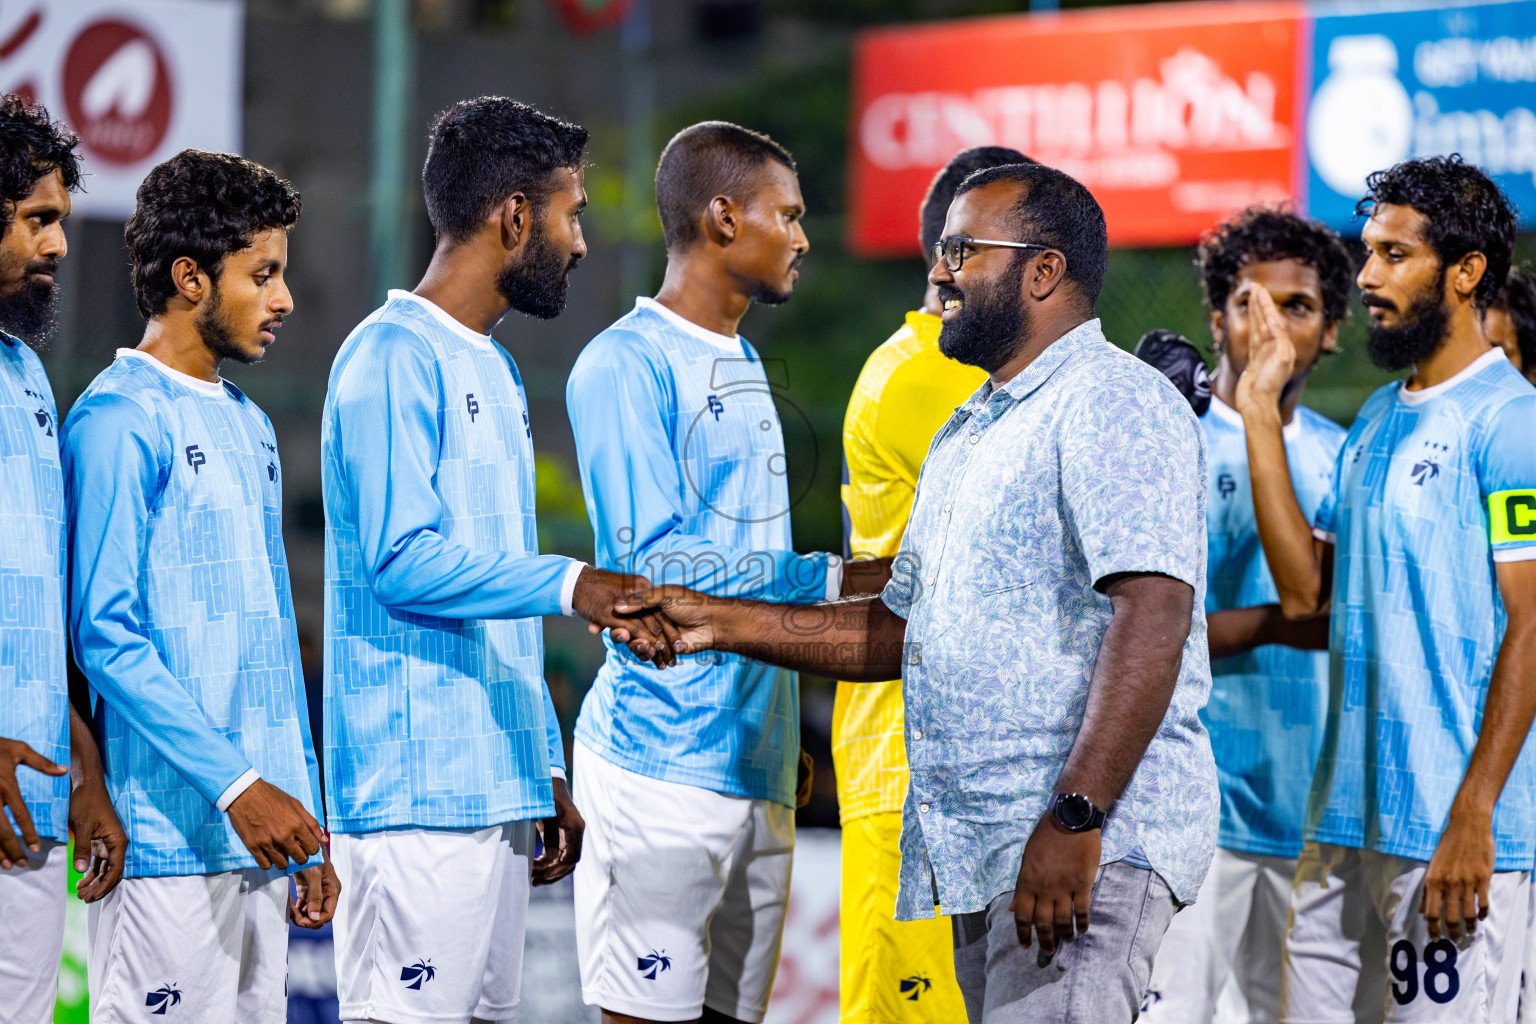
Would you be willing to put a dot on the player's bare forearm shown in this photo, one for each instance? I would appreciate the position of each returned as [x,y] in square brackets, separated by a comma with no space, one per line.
[864,575]
[1456,886]
[1295,557]
[1132,685]
[1237,630]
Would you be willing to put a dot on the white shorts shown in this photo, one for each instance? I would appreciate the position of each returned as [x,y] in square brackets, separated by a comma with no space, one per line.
[680,895]
[429,928]
[1358,948]
[33,893]
[1220,957]
[191,947]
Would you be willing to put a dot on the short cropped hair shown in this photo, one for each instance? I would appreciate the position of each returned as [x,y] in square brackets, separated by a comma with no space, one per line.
[32,146]
[1519,297]
[1261,234]
[1466,211]
[941,192]
[204,206]
[1057,210]
[484,150]
[712,158]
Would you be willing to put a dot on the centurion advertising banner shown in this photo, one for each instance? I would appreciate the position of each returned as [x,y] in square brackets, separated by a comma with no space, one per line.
[137,80]
[1177,115]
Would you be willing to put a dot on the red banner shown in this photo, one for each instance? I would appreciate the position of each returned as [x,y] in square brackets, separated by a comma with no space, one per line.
[1173,115]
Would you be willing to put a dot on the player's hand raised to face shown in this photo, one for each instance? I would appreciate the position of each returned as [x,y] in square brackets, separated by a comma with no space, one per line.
[1056,879]
[561,836]
[1460,871]
[1271,355]
[274,826]
[101,844]
[598,596]
[16,754]
[317,889]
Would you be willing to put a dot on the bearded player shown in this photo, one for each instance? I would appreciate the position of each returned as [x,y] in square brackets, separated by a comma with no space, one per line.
[1269,675]
[1411,892]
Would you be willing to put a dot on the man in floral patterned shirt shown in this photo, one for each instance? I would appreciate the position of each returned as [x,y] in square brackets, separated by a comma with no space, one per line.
[1047,620]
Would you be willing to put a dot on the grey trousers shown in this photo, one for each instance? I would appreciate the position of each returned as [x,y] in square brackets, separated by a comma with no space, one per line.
[1099,978]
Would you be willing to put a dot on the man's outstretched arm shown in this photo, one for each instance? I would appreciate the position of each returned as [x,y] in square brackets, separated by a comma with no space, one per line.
[856,639]
[1237,630]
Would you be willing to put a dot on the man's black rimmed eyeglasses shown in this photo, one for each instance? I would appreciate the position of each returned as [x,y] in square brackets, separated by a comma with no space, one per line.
[952,249]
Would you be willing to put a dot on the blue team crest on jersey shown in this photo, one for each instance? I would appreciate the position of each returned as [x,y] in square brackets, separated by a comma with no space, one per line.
[195,458]
[163,998]
[1225,485]
[916,985]
[716,406]
[654,964]
[472,407]
[417,973]
[1428,468]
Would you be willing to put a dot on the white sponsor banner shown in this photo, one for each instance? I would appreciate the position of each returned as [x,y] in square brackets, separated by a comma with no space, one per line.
[138,80]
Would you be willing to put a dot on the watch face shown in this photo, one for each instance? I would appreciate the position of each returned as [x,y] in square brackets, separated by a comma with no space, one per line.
[1073,810]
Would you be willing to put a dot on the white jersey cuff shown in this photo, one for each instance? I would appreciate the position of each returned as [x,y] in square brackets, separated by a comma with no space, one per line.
[557,773]
[568,587]
[1325,536]
[237,787]
[1524,554]
[834,577]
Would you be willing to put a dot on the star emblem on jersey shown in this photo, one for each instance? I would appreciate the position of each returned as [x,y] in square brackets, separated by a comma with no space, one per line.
[916,985]
[473,407]
[1426,470]
[43,422]
[1226,485]
[195,458]
[417,973]
[654,964]
[163,998]
[716,406]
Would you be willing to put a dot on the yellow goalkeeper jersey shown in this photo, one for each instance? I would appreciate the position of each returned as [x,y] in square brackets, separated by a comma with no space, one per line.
[905,393]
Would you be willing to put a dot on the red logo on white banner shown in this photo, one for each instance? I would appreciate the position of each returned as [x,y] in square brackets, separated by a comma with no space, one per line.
[117,92]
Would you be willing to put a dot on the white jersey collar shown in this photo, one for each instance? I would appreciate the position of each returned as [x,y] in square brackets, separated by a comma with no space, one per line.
[1230,416]
[213,389]
[731,343]
[1476,366]
[441,316]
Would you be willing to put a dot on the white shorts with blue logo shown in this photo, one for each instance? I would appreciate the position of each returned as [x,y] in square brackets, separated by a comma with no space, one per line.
[680,895]
[430,924]
[191,948]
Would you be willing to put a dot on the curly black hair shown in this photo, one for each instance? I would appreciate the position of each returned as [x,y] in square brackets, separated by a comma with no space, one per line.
[1466,211]
[1519,297]
[204,206]
[1261,234]
[32,146]
[941,191]
[482,151]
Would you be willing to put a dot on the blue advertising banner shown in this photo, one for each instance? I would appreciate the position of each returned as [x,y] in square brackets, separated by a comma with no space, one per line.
[1392,84]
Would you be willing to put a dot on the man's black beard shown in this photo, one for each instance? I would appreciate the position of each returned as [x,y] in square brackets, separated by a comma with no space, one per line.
[992,323]
[215,332]
[538,284]
[767,295]
[31,311]
[1416,337]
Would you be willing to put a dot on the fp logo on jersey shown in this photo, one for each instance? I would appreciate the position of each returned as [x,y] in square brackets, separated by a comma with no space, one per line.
[195,458]
[473,407]
[716,406]
[1225,485]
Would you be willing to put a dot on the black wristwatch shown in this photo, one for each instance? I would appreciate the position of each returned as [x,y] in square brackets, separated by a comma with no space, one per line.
[1075,812]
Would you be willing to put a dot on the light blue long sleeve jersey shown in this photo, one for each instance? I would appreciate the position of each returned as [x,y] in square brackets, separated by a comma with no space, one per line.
[1434,489]
[436,710]
[34,692]
[1265,713]
[181,611]
[683,467]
